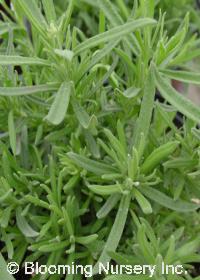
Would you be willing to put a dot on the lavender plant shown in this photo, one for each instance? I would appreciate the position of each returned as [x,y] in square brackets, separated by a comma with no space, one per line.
[94,168]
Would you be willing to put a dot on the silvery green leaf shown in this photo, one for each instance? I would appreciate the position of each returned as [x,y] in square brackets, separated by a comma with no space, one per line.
[60,104]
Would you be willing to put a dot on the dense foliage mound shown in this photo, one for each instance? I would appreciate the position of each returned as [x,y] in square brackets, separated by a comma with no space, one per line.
[100,154]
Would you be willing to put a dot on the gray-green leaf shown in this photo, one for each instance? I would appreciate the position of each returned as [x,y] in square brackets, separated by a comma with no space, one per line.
[21,60]
[168,202]
[131,92]
[26,90]
[23,226]
[183,76]
[114,33]
[181,103]
[116,232]
[84,119]
[12,133]
[105,190]
[144,120]
[4,274]
[93,166]
[60,104]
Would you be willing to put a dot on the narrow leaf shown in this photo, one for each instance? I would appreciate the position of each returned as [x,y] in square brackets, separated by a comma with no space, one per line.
[115,233]
[108,206]
[12,133]
[85,240]
[49,9]
[144,120]
[101,54]
[105,190]
[85,120]
[181,103]
[53,246]
[21,60]
[23,226]
[4,273]
[115,143]
[93,166]
[25,90]
[113,34]
[60,104]
[171,249]
[188,248]
[111,13]
[143,202]
[168,202]
[131,92]
[33,13]
[158,155]
[183,76]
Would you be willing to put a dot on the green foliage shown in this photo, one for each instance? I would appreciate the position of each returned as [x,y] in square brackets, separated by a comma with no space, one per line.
[94,168]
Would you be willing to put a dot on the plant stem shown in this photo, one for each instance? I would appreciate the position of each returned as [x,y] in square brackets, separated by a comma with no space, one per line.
[116,232]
